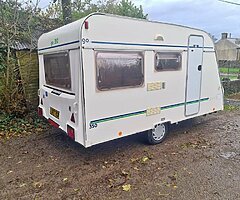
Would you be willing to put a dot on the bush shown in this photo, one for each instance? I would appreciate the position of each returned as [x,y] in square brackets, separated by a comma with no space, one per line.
[12,99]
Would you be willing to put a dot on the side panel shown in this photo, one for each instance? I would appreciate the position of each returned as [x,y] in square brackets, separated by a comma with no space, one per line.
[124,111]
[117,113]
[194,74]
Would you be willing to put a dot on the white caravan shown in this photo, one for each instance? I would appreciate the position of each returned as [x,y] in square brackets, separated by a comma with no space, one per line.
[105,77]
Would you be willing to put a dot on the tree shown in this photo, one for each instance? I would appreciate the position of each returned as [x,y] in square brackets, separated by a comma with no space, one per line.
[127,8]
[18,23]
[81,8]
[66,11]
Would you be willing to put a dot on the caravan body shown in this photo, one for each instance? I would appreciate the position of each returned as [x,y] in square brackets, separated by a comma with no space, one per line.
[104,77]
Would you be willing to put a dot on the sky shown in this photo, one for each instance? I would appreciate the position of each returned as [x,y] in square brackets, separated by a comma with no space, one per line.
[212,16]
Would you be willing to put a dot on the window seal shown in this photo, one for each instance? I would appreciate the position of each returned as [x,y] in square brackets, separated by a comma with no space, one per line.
[171,69]
[141,53]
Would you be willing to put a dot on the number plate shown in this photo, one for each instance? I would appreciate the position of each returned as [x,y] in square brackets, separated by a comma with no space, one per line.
[54,112]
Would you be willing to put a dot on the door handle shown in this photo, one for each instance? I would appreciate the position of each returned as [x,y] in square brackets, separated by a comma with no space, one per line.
[199,67]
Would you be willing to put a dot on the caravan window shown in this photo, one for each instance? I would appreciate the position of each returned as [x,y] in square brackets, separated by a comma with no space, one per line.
[57,70]
[119,70]
[167,61]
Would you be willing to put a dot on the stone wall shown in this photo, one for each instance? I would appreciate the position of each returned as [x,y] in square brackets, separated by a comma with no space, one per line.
[231,64]
[231,87]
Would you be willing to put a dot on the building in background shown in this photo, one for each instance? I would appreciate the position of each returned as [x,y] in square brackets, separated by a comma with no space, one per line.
[228,48]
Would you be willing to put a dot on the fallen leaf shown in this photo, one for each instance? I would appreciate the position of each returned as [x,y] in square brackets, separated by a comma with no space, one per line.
[134,159]
[22,185]
[124,173]
[136,168]
[38,184]
[145,158]
[168,185]
[59,191]
[162,194]
[126,187]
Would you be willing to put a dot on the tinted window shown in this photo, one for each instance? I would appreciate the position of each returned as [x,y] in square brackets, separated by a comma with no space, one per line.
[168,61]
[57,70]
[119,70]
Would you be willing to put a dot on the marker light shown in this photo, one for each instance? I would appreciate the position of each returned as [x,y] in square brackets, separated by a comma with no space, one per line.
[86,24]
[70,132]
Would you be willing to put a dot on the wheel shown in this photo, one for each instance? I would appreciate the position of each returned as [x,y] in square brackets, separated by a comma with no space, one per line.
[157,134]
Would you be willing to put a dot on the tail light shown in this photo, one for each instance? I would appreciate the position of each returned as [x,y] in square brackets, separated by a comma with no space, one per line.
[73,118]
[70,132]
[53,123]
[40,112]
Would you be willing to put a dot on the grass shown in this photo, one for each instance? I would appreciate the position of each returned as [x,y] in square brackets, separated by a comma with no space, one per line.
[232,77]
[230,107]
[224,70]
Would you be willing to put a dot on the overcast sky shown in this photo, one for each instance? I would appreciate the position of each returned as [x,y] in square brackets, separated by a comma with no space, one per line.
[211,15]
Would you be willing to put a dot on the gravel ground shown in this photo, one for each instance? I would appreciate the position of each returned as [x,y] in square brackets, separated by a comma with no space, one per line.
[200,159]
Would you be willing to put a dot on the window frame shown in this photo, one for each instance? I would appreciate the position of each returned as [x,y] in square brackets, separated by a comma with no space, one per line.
[167,70]
[141,53]
[70,70]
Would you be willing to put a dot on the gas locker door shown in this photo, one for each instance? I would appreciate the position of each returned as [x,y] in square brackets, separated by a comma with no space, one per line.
[194,75]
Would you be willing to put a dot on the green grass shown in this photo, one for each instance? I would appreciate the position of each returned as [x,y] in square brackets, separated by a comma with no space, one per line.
[224,70]
[232,77]
[230,107]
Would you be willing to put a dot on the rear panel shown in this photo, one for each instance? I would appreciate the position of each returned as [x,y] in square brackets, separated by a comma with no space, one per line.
[61,104]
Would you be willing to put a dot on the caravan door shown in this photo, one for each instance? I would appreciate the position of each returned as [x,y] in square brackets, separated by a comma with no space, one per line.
[194,75]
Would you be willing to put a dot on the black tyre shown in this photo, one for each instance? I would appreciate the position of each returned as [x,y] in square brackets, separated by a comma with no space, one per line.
[157,134]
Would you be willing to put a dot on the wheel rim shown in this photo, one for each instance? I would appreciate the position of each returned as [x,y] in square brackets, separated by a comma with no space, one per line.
[158,132]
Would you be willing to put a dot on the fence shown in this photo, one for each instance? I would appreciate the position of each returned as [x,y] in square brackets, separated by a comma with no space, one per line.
[231,87]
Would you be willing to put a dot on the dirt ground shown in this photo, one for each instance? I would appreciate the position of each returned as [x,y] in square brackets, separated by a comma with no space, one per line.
[200,159]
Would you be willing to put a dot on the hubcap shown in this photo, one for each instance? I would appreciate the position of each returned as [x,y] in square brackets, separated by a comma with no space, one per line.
[158,132]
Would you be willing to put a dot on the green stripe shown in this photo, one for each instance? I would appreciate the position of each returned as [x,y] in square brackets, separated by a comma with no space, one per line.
[118,117]
[182,104]
[144,111]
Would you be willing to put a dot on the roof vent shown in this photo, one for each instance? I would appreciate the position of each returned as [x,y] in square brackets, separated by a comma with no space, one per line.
[158,37]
